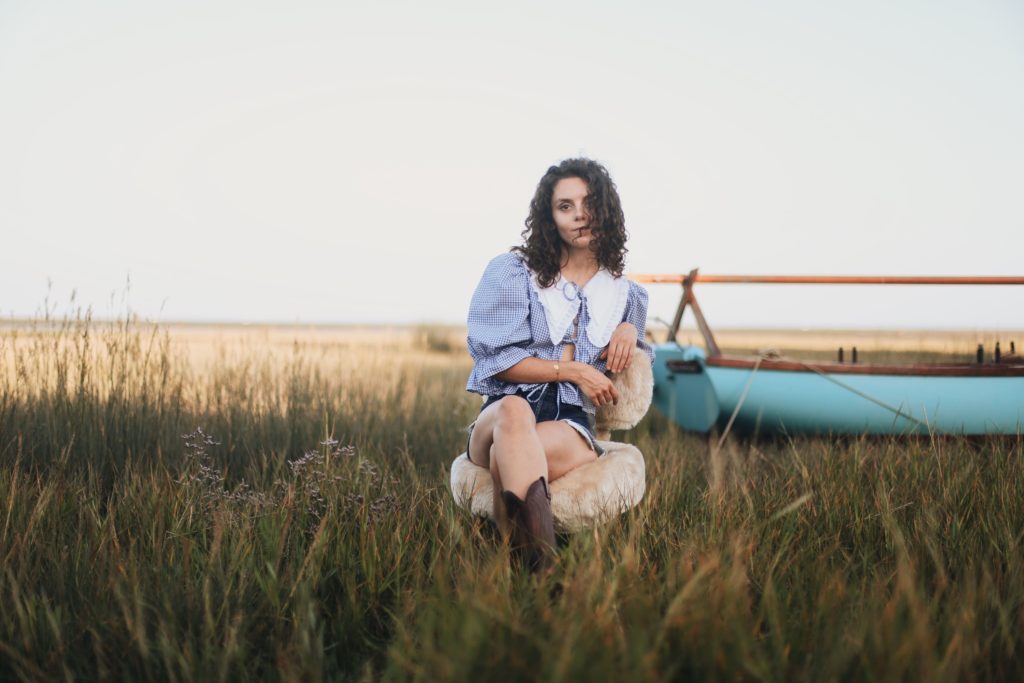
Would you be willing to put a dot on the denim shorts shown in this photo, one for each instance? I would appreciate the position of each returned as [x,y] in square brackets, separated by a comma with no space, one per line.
[547,408]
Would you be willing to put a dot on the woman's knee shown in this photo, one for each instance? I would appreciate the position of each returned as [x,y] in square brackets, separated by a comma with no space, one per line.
[514,413]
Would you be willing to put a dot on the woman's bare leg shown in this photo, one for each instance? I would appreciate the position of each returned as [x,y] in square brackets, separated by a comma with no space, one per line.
[564,448]
[505,440]
[508,440]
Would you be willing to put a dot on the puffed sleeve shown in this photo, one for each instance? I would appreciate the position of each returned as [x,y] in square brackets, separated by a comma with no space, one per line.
[636,313]
[499,322]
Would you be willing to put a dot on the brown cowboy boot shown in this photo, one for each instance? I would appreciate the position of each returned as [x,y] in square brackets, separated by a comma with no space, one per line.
[533,528]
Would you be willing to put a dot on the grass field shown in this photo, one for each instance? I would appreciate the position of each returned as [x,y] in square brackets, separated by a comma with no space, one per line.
[245,503]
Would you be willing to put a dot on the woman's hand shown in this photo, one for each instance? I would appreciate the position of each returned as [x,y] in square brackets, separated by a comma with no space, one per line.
[619,351]
[593,383]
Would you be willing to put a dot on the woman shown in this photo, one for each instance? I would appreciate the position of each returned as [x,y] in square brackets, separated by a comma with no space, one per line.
[546,323]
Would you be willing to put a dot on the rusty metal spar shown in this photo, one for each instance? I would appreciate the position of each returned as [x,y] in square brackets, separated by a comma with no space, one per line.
[829,279]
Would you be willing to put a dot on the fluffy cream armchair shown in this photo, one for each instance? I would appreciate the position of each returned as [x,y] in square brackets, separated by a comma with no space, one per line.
[596,492]
[636,388]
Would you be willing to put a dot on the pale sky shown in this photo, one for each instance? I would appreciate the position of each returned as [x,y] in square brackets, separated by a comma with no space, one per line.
[361,162]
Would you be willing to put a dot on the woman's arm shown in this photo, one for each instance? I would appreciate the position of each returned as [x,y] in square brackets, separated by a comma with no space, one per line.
[619,351]
[498,324]
[630,332]
[598,388]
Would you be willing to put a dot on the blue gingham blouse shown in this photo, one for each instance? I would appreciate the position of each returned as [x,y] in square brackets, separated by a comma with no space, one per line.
[507,323]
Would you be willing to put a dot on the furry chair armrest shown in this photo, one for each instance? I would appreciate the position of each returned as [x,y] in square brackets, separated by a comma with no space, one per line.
[636,388]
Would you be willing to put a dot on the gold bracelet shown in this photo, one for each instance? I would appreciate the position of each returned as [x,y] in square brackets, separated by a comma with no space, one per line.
[557,376]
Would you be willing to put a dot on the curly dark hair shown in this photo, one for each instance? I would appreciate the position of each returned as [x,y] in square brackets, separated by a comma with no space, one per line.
[542,247]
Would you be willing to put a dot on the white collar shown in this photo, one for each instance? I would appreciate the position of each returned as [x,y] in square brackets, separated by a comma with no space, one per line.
[606,298]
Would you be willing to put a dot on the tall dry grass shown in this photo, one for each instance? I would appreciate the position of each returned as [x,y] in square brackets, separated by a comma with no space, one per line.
[278,510]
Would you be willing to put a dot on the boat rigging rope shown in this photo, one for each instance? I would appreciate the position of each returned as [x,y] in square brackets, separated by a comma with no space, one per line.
[739,404]
[775,355]
[897,411]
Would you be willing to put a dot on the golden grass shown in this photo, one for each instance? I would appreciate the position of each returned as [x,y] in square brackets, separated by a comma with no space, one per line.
[383,348]
[307,532]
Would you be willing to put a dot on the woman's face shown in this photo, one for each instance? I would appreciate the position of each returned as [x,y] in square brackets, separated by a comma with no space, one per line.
[568,206]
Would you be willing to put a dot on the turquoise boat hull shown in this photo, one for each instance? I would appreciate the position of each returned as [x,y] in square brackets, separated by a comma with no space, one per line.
[702,397]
